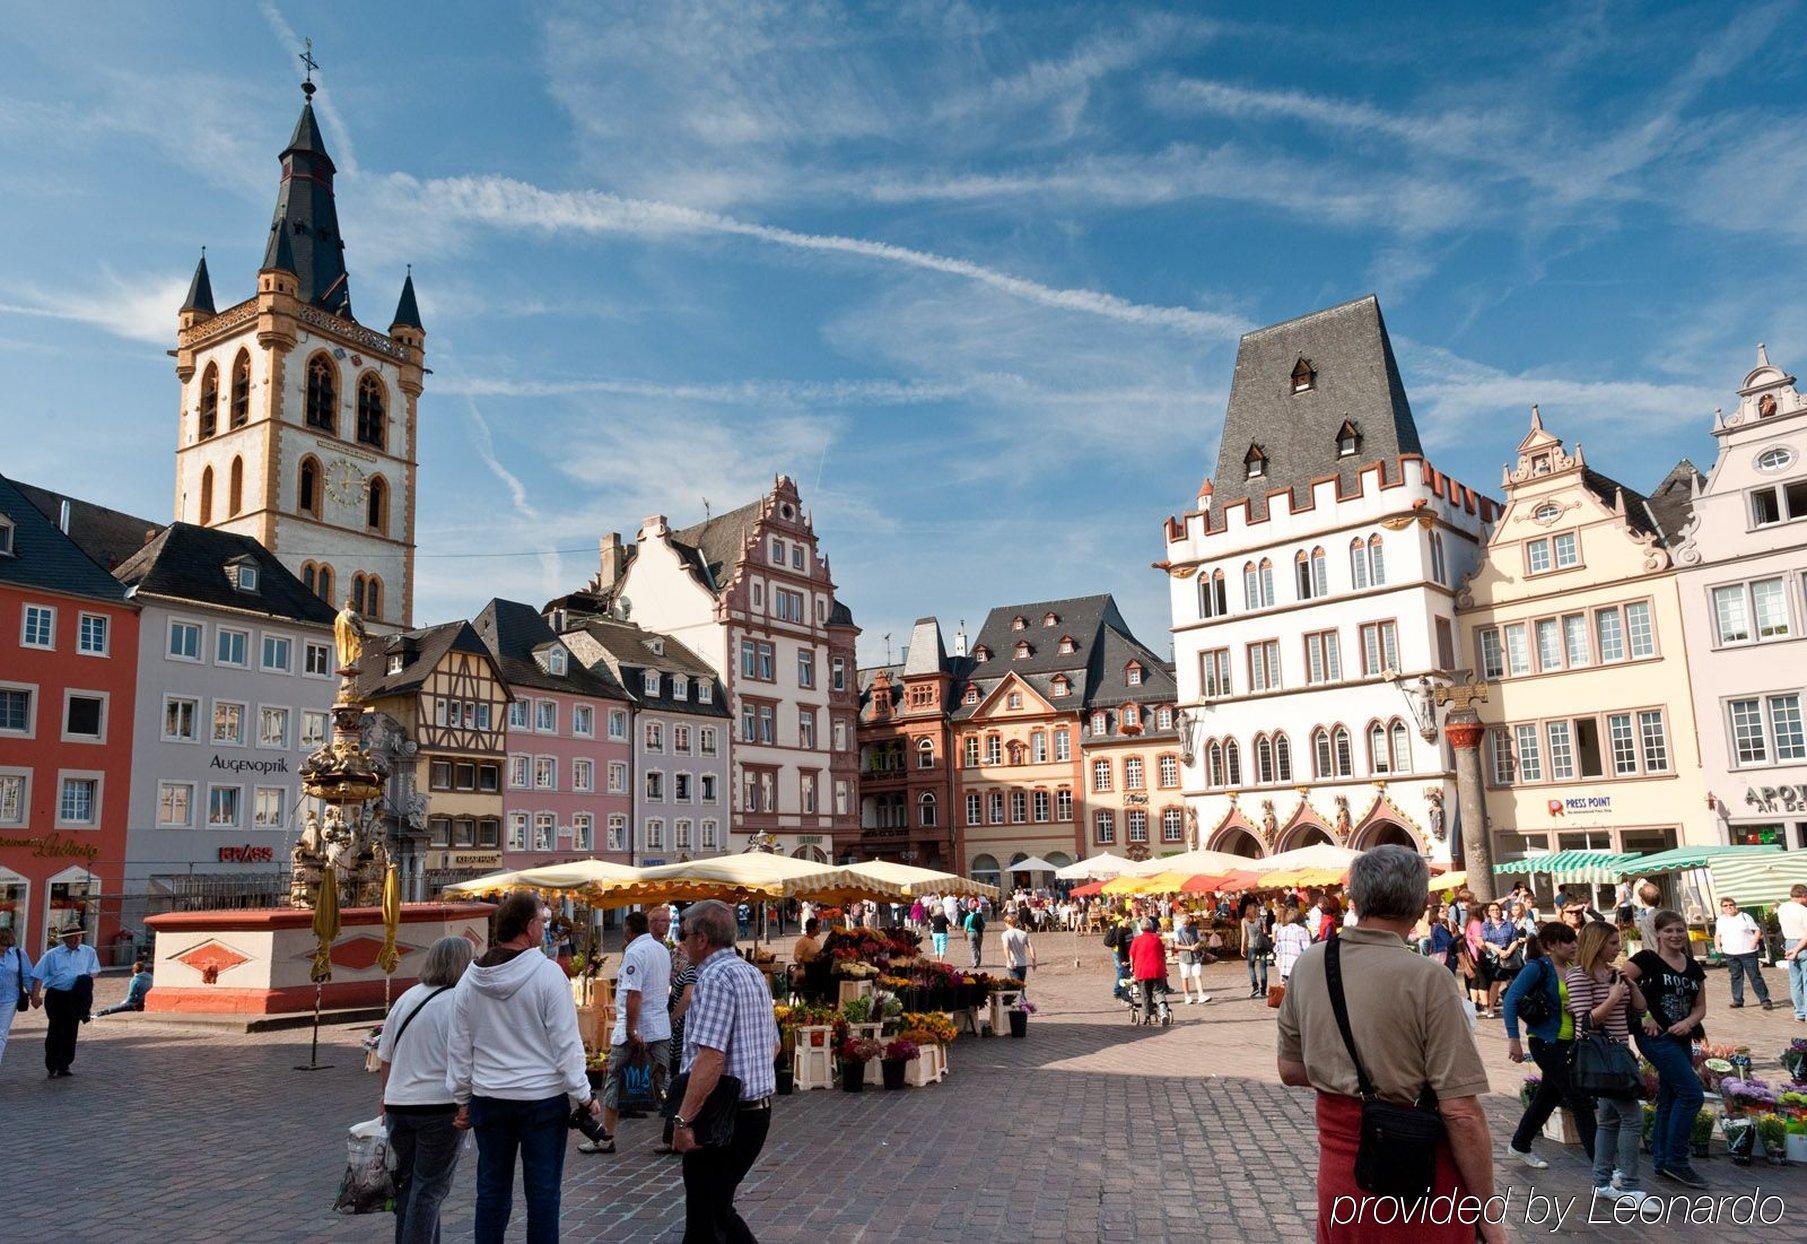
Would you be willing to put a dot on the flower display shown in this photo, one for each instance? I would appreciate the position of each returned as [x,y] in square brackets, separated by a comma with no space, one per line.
[936,1027]
[1751,1095]
[901,1050]
[857,1050]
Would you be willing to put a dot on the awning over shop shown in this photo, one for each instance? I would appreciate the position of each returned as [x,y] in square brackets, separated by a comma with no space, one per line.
[1590,867]
[1757,880]
[1680,859]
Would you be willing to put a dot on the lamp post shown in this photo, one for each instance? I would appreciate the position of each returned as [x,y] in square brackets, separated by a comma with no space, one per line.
[1462,727]
[1191,723]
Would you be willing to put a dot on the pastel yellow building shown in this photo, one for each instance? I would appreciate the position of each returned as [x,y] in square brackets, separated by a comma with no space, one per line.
[1574,621]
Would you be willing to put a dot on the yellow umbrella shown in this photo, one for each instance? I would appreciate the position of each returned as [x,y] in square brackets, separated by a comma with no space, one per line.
[1449,881]
[751,876]
[1126,885]
[387,958]
[489,883]
[1167,882]
[326,926]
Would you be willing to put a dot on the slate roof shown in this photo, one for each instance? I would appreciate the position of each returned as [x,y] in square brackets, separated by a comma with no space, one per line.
[627,658]
[1638,513]
[1356,378]
[107,536]
[430,645]
[407,311]
[1673,498]
[188,563]
[43,557]
[713,546]
[926,653]
[516,635]
[1095,670]
[306,222]
[200,290]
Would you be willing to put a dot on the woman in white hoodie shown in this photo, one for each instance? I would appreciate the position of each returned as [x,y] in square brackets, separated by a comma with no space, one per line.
[417,1107]
[515,1063]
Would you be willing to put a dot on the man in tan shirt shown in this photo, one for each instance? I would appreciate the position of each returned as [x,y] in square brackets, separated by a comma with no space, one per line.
[1409,1026]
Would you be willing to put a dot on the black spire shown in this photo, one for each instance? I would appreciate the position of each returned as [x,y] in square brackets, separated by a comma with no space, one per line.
[200,290]
[407,311]
[304,236]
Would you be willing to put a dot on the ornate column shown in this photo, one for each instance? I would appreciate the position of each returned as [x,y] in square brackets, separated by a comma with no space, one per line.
[1464,731]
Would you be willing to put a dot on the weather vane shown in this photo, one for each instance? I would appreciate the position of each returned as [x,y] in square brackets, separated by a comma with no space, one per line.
[307,59]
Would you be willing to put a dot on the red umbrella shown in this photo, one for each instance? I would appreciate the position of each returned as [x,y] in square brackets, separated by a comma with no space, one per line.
[1241,880]
[1203,883]
[1090,889]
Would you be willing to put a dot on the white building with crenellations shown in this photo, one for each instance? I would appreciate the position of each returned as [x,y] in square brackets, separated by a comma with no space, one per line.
[1313,582]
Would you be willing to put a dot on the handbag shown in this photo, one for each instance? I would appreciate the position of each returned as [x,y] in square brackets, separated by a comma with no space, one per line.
[24,994]
[713,1126]
[1276,994]
[1397,1152]
[1600,1066]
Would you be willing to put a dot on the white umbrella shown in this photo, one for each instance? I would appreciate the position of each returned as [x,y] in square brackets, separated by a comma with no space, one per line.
[1094,868]
[1034,864]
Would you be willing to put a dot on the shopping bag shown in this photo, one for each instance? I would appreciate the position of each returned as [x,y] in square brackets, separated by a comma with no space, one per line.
[639,1091]
[366,1187]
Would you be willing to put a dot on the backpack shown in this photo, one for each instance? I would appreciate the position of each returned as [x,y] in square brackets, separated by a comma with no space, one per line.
[1113,936]
[1535,1007]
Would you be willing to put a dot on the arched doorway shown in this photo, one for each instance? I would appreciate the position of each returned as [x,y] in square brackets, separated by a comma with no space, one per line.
[1239,842]
[985,869]
[814,855]
[1383,833]
[1305,836]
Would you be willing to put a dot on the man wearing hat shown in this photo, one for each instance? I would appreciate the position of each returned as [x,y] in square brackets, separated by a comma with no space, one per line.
[63,984]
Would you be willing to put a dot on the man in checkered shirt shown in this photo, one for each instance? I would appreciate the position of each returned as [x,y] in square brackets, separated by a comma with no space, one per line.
[729,1030]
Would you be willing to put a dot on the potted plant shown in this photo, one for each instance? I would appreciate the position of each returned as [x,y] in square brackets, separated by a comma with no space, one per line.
[1740,1139]
[1528,1090]
[1019,1017]
[1649,1128]
[1797,1139]
[1795,1059]
[896,1060]
[1774,1135]
[1700,1137]
[855,1053]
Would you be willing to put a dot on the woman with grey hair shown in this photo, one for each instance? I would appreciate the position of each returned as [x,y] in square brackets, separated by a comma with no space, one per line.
[1408,1044]
[417,1106]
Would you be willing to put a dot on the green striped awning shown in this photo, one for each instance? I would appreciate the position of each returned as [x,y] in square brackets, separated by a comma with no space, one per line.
[1680,859]
[1757,880]
[1594,867]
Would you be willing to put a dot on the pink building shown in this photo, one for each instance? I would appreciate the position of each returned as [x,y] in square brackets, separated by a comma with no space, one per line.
[569,771]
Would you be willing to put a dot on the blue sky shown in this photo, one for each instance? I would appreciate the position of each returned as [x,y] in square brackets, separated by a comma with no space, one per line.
[972,274]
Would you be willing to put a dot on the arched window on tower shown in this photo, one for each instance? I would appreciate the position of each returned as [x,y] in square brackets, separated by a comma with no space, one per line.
[376,505]
[1283,758]
[324,584]
[357,592]
[307,488]
[235,487]
[1322,766]
[1264,760]
[1401,745]
[373,598]
[322,394]
[241,389]
[206,496]
[1232,762]
[371,411]
[307,575]
[1214,762]
[1379,759]
[1345,761]
[210,403]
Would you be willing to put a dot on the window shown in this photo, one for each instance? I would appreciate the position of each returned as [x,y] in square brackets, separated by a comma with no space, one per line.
[1105,826]
[617,777]
[789,606]
[1099,721]
[1624,746]
[1212,602]
[371,403]
[583,775]
[806,728]
[228,723]
[1638,630]
[316,659]
[1063,804]
[1549,644]
[1214,672]
[1537,555]
[1530,758]
[1013,700]
[618,723]
[994,750]
[241,389]
[680,835]
[1574,640]
[1609,634]
[1060,687]
[313,728]
[1164,717]
[1254,463]
[322,406]
[1063,745]
[705,740]
[1439,561]
[1133,776]
[268,808]
[777,551]
[1348,440]
[1258,584]
[230,647]
[1493,663]
[545,716]
[222,807]
[1654,740]
[1232,762]
[969,752]
[91,635]
[1758,610]
[1136,821]
[1264,760]
[1518,649]
[209,415]
[1323,661]
[925,753]
[1264,666]
[6,536]
[39,627]
[583,720]
[273,727]
[1322,765]
[1019,807]
[837,674]
[1367,567]
[276,654]
[545,772]
[1380,647]
[206,496]
[1132,674]
[1753,744]
[995,807]
[520,772]
[1173,825]
[1314,580]
[184,641]
[180,719]
[1562,751]
[973,810]
[1779,503]
[545,830]
[680,687]
[376,508]
[175,805]
[307,489]
[1303,377]
[235,486]
[517,831]
[519,715]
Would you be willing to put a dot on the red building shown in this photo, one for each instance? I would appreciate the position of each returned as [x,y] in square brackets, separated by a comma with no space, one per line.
[906,774]
[68,671]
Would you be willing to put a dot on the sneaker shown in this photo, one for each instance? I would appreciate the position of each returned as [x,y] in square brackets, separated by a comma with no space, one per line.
[1529,1159]
[1618,1179]
[1685,1175]
[605,1145]
[1203,998]
[1768,1005]
[1629,1196]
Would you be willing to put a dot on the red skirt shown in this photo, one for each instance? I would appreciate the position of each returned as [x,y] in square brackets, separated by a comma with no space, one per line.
[1360,1217]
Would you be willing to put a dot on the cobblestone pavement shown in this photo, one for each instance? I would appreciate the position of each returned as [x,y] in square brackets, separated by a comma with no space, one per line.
[1088,1130]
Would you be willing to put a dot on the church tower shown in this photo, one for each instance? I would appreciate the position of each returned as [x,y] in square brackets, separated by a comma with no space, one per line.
[297,422]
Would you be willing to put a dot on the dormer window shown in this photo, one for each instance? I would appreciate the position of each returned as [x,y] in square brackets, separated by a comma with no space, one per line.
[396,662]
[243,576]
[1132,674]
[1348,439]
[1049,619]
[555,661]
[6,536]
[680,687]
[1022,650]
[1304,379]
[656,646]
[971,696]
[705,691]
[1061,686]
[1132,716]
[1019,623]
[1255,462]
[649,682]
[1098,723]
[981,654]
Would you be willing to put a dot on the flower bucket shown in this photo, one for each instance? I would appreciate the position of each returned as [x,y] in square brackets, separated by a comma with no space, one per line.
[786,1081]
[1797,1147]
[853,1077]
[894,1069]
[1019,1022]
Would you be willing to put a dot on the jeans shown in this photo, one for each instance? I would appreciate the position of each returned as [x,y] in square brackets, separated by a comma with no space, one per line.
[1553,1090]
[1678,1099]
[1737,967]
[1020,973]
[711,1177]
[64,1011]
[426,1154]
[940,940]
[975,941]
[1257,960]
[536,1130]
[1620,1127]
[1797,985]
[1149,991]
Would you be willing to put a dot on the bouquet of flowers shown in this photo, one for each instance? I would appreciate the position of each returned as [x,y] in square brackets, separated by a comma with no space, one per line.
[1025,1006]
[1528,1090]
[857,1050]
[901,1050]
[1743,1095]
[1795,1059]
[936,1027]
[854,970]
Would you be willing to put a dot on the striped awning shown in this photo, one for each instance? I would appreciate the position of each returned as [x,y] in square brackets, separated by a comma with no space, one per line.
[1589,867]
[1680,859]
[1757,880]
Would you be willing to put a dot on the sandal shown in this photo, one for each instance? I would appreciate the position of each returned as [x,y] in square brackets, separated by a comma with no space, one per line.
[591,1146]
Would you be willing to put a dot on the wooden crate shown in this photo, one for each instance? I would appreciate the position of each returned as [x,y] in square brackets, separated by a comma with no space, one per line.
[1560,1127]
[813,1060]
[853,989]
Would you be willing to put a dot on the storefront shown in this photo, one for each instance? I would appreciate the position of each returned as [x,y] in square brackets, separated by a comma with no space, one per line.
[1770,816]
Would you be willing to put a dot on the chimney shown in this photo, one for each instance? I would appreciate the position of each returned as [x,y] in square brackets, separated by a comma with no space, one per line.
[613,560]
[960,639]
[62,516]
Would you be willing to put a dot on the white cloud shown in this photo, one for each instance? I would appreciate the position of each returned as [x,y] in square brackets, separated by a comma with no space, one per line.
[137,310]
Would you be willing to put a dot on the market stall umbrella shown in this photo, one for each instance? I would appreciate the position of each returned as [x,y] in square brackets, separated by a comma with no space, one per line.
[1582,867]
[1317,855]
[1680,859]
[1118,886]
[1167,882]
[1289,878]
[1193,863]
[326,931]
[387,959]
[1100,867]
[1091,889]
[489,883]
[1448,881]
[749,876]
[1757,881]
[1034,864]
[916,882]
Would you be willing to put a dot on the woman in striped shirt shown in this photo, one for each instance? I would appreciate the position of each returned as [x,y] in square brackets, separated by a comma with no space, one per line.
[1290,941]
[1601,996]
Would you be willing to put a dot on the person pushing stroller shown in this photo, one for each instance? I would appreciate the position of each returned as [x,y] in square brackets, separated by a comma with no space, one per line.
[1148,964]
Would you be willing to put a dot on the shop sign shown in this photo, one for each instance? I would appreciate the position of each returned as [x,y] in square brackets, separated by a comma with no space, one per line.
[53,847]
[652,863]
[236,764]
[1580,804]
[1136,800]
[1776,798]
[247,854]
[481,861]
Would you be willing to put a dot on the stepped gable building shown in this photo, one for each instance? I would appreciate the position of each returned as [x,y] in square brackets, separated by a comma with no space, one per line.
[567,729]
[68,686]
[750,592]
[906,775]
[1574,621]
[1743,583]
[439,710]
[297,424]
[1044,681]
[677,773]
[1316,573]
[235,677]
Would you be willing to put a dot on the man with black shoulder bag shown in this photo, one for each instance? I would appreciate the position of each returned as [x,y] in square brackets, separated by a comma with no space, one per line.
[1382,1034]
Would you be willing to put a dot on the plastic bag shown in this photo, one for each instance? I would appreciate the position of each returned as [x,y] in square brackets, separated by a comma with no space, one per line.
[639,1088]
[366,1187]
